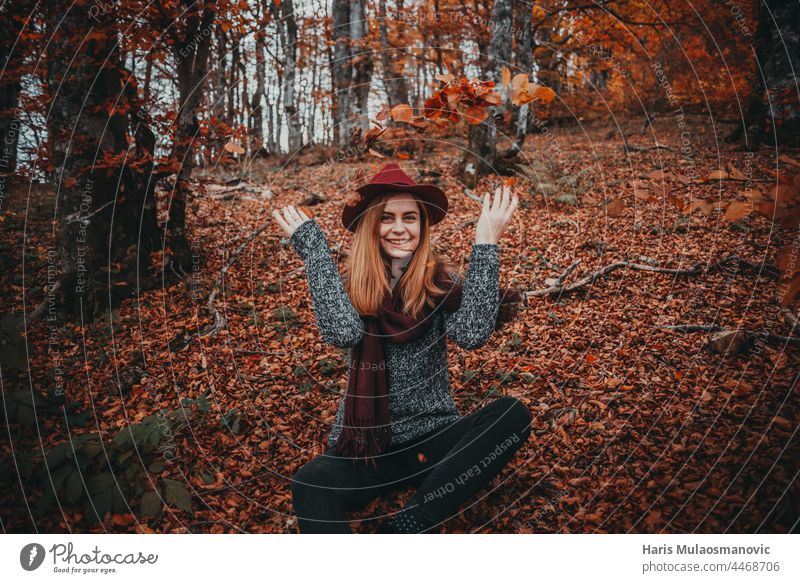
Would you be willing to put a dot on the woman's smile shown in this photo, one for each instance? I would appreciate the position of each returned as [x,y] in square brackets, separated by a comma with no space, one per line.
[400,225]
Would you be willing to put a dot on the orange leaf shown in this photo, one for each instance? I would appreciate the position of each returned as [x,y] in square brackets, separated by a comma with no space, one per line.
[737,210]
[616,208]
[445,78]
[545,94]
[123,519]
[383,113]
[402,113]
[788,160]
[788,292]
[506,75]
[475,114]
[735,174]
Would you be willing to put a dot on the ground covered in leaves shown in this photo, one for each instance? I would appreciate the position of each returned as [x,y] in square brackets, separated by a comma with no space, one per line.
[637,427]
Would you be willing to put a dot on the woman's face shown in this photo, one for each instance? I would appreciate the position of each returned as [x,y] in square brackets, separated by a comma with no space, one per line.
[400,225]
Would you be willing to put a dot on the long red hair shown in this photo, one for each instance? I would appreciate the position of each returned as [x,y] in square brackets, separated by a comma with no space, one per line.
[369,269]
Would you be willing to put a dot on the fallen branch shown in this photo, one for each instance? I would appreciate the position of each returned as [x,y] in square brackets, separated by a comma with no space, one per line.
[627,147]
[751,334]
[556,286]
[790,318]
[219,322]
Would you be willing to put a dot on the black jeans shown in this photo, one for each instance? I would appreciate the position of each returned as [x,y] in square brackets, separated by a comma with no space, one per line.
[447,466]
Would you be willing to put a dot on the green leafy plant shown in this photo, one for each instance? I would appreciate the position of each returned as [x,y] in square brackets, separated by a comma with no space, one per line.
[107,476]
[203,403]
[231,420]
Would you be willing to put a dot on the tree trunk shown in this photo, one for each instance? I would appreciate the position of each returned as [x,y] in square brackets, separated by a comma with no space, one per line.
[288,25]
[10,86]
[106,211]
[257,104]
[523,50]
[773,113]
[351,69]
[393,80]
[191,58]
[480,158]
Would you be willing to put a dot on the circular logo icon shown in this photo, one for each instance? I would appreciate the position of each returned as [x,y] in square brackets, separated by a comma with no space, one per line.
[31,556]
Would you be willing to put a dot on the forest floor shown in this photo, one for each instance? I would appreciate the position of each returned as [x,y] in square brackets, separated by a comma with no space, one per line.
[636,427]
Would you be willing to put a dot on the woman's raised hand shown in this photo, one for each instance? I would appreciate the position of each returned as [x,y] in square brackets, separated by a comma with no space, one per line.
[495,217]
[291,219]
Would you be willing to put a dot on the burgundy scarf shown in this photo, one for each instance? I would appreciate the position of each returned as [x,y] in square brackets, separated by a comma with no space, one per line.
[366,428]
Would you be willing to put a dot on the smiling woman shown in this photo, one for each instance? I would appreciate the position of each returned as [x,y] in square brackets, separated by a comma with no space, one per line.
[401,301]
[400,226]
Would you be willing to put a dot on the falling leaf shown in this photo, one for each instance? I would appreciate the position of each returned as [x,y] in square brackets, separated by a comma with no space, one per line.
[475,114]
[506,75]
[444,78]
[402,112]
[383,113]
[234,148]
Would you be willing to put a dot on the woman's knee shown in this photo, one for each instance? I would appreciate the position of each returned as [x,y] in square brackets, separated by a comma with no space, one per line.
[316,477]
[516,415]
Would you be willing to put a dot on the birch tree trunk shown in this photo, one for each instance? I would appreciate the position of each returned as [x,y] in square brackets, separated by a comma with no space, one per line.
[351,69]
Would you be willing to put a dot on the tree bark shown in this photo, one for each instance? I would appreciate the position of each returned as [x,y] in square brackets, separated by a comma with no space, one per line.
[393,80]
[351,69]
[523,50]
[773,112]
[288,27]
[105,211]
[482,152]
[257,103]
[10,61]
[191,59]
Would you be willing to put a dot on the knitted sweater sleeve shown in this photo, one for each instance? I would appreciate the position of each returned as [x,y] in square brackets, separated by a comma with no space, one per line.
[471,325]
[337,320]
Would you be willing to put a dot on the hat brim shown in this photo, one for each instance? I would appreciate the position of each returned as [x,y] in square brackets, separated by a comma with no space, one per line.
[433,196]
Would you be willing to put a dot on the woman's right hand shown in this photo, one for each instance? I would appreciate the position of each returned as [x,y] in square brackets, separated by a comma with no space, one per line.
[291,219]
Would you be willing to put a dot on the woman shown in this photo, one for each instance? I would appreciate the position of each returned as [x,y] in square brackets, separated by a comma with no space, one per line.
[397,424]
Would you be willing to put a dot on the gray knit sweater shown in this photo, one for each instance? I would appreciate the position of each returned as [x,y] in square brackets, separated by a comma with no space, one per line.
[420,399]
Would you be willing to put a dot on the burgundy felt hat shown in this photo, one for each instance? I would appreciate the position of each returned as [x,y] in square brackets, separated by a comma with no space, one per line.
[391,178]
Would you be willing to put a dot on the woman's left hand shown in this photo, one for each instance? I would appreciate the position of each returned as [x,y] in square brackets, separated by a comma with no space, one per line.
[495,217]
